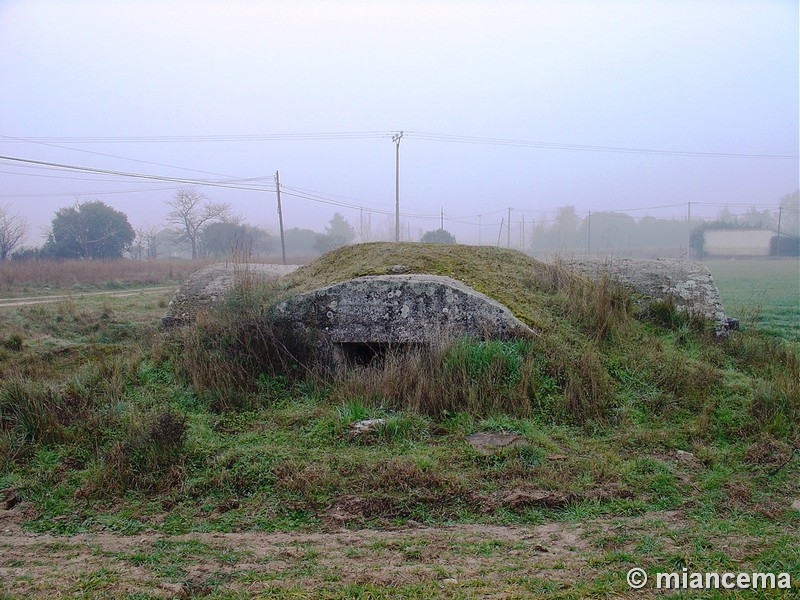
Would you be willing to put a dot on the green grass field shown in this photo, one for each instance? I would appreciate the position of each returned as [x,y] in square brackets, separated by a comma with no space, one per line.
[764,293]
[183,464]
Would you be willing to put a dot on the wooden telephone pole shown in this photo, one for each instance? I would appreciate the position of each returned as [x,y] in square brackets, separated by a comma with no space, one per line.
[280,214]
[396,139]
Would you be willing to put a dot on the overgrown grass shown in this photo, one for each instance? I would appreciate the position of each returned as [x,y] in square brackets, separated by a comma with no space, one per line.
[43,276]
[228,426]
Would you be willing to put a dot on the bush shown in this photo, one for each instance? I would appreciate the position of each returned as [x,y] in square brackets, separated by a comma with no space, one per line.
[229,349]
[13,342]
[29,408]
[146,456]
[784,246]
[438,236]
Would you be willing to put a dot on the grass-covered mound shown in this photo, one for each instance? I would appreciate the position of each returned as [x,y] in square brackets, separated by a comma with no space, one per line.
[589,333]
[226,425]
[530,288]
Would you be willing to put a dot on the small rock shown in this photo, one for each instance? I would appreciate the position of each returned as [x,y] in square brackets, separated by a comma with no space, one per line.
[10,498]
[487,442]
[556,457]
[175,590]
[796,504]
[398,269]
[450,581]
[685,456]
[365,426]
[523,498]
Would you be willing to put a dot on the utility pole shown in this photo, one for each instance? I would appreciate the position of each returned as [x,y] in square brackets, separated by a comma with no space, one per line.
[361,225]
[533,233]
[508,241]
[280,214]
[441,218]
[589,223]
[500,233]
[778,248]
[396,139]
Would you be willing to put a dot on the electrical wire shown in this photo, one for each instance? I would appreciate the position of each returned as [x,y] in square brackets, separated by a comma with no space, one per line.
[420,135]
[341,135]
[463,139]
[147,162]
[81,169]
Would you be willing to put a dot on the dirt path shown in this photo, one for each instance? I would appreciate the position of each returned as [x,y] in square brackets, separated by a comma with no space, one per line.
[571,559]
[12,302]
[463,560]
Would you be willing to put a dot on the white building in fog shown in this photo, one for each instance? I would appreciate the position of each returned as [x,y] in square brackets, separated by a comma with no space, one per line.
[737,242]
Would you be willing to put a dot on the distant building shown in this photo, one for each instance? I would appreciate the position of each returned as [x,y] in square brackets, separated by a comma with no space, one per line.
[737,242]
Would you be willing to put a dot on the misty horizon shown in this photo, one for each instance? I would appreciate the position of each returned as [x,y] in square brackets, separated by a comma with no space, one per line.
[605,106]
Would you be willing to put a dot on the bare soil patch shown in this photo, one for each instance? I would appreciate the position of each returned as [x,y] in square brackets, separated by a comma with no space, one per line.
[472,560]
[41,565]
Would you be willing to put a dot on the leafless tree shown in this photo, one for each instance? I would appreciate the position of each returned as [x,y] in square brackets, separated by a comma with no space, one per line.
[136,249]
[191,212]
[150,236]
[145,245]
[13,229]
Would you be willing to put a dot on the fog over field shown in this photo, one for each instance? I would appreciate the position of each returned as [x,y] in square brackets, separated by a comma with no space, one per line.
[603,105]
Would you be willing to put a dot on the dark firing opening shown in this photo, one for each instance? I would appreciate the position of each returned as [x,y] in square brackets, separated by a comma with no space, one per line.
[363,354]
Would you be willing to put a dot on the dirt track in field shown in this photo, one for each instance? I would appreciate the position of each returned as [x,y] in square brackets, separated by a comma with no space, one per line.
[473,560]
[12,302]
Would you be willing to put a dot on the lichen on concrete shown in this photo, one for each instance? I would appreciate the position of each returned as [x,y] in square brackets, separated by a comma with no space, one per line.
[211,285]
[394,310]
[687,284]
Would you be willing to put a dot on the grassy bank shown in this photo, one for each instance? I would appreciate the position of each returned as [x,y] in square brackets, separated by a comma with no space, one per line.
[654,443]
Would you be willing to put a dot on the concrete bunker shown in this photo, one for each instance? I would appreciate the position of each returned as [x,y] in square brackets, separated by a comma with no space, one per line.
[686,284]
[209,286]
[358,321]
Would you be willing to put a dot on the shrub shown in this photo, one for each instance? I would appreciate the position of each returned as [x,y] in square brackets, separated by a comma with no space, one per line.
[29,408]
[229,349]
[13,342]
[146,456]
[438,236]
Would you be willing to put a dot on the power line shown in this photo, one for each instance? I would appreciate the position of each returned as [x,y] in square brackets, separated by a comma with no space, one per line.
[463,139]
[249,184]
[186,181]
[341,135]
[420,135]
[147,162]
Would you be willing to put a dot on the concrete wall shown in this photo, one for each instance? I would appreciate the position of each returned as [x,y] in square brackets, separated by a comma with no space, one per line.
[737,242]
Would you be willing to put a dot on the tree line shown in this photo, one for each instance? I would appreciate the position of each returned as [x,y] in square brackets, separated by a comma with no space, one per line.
[196,226]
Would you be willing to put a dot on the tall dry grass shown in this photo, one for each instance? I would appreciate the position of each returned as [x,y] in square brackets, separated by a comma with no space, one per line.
[35,275]
[599,307]
[517,377]
[229,349]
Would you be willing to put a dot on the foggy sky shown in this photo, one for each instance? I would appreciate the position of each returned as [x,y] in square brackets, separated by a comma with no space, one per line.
[695,76]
